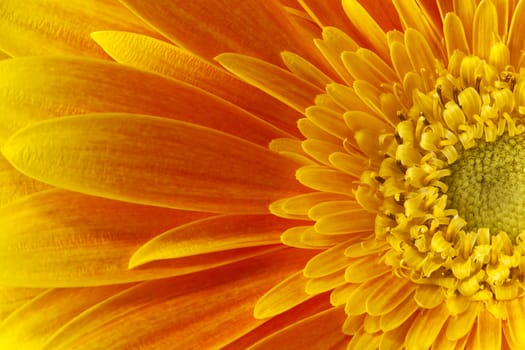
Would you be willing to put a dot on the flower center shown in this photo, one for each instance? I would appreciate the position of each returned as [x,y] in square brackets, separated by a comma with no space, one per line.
[487,186]
[451,188]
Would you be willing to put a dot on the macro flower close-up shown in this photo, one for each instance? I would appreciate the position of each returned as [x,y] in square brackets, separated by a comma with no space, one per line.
[262,174]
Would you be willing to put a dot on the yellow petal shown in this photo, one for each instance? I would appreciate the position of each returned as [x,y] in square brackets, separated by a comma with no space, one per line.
[67,85]
[517,33]
[461,325]
[365,269]
[153,161]
[325,179]
[157,56]
[320,331]
[516,322]
[14,185]
[455,38]
[187,311]
[488,333]
[428,296]
[426,327]
[61,27]
[209,29]
[11,298]
[384,301]
[304,69]
[329,261]
[282,297]
[346,222]
[59,238]
[485,28]
[399,315]
[364,341]
[277,82]
[213,234]
[366,26]
[275,324]
[31,326]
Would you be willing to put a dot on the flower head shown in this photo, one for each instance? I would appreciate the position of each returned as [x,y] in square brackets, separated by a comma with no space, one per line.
[252,174]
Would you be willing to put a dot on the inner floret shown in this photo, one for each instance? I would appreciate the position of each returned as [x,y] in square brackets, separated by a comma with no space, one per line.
[451,185]
[487,186]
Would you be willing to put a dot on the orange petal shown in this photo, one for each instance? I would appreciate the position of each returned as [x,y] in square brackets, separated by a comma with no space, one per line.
[252,27]
[11,298]
[284,296]
[186,312]
[277,82]
[14,185]
[154,161]
[59,238]
[144,52]
[31,326]
[308,308]
[326,13]
[61,27]
[213,234]
[66,86]
[321,331]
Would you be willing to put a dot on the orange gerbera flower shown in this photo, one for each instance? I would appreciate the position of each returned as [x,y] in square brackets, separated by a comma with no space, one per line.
[262,174]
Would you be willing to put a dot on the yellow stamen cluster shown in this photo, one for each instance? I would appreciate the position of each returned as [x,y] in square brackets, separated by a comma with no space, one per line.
[446,148]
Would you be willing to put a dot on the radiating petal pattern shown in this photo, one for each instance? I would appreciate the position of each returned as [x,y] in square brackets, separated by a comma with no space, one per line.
[200,27]
[187,311]
[65,86]
[144,52]
[96,238]
[182,166]
[39,27]
[340,174]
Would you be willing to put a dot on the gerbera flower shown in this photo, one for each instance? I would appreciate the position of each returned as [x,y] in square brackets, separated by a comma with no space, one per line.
[263,174]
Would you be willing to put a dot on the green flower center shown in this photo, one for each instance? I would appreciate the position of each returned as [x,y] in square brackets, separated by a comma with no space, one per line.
[487,185]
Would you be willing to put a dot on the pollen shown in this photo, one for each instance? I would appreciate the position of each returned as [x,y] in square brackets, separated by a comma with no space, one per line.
[487,186]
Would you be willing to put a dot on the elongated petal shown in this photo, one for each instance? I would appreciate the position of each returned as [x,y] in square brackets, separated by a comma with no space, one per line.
[59,238]
[66,86]
[321,331]
[154,55]
[14,185]
[154,161]
[200,26]
[11,298]
[366,26]
[36,27]
[187,312]
[517,33]
[287,294]
[41,317]
[304,310]
[214,234]
[279,83]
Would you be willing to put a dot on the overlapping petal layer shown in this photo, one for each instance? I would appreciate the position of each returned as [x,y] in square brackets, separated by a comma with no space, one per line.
[186,311]
[182,165]
[40,27]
